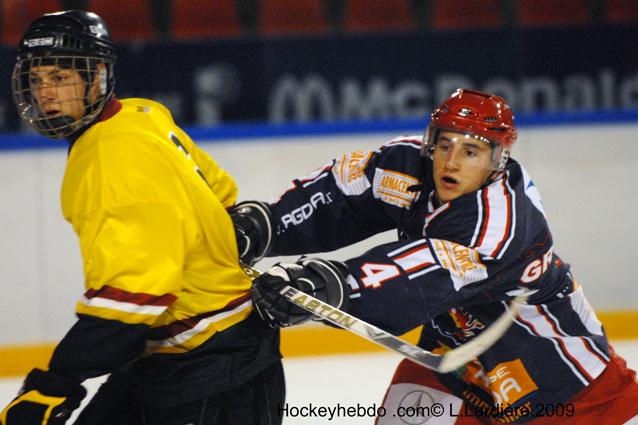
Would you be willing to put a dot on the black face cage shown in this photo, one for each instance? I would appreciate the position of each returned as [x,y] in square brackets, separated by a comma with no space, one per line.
[24,94]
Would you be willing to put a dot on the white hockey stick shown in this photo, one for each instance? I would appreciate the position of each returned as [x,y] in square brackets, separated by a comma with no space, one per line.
[443,363]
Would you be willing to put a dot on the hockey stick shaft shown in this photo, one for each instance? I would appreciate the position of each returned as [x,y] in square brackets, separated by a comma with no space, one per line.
[443,363]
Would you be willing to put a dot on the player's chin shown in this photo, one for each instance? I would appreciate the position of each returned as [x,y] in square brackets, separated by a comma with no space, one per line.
[446,195]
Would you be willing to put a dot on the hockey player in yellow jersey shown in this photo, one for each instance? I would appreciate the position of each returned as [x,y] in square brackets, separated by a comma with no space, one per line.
[166,309]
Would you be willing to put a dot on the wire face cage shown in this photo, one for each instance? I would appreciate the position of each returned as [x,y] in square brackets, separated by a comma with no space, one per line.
[58,95]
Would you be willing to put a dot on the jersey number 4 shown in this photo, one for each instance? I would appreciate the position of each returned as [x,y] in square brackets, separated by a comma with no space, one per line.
[375,274]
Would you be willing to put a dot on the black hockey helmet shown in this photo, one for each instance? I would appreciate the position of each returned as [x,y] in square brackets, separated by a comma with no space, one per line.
[74,39]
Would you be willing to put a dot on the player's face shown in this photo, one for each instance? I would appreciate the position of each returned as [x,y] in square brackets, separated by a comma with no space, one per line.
[58,92]
[462,164]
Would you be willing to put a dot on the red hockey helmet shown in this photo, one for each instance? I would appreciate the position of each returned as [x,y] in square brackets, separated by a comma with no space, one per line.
[484,116]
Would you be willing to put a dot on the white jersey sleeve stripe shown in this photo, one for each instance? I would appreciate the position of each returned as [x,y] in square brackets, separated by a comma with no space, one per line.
[416,259]
[498,222]
[424,271]
[574,350]
[531,329]
[590,361]
[406,247]
[511,218]
[586,313]
[479,219]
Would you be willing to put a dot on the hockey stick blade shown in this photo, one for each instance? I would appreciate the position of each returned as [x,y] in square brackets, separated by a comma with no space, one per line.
[442,363]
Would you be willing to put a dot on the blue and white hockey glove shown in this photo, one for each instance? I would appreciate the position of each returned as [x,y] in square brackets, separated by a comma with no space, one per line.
[45,398]
[325,280]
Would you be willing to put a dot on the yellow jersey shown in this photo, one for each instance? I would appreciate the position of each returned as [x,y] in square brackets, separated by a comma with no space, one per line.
[158,245]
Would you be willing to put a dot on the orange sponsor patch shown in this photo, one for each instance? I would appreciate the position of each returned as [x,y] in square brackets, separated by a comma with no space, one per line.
[463,263]
[392,187]
[349,172]
[356,164]
[509,382]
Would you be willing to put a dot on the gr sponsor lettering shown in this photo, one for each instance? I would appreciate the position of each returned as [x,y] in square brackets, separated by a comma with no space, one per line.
[536,268]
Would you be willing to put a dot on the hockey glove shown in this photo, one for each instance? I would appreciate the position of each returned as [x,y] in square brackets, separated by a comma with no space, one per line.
[325,280]
[44,399]
[253,230]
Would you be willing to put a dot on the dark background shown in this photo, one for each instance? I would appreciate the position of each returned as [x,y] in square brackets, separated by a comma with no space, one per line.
[340,75]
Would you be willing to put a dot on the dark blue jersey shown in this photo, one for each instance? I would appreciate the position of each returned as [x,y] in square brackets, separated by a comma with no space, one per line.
[453,269]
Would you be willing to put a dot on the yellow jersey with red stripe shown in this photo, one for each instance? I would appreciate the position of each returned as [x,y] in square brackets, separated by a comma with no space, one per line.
[158,245]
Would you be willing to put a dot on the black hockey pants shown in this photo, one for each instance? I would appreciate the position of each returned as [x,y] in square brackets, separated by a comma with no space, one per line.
[258,402]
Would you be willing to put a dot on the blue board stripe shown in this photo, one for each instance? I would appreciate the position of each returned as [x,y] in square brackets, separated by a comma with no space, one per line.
[22,141]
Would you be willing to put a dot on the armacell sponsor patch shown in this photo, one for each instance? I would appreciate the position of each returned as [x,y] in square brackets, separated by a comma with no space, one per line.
[463,263]
[392,187]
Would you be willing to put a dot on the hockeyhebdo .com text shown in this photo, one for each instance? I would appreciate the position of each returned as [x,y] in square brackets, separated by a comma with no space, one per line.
[413,414]
[339,411]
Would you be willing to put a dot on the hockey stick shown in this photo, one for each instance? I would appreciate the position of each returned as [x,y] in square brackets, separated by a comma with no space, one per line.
[443,363]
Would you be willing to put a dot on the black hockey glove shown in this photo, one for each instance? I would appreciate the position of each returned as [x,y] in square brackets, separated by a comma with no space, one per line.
[325,280]
[45,398]
[253,230]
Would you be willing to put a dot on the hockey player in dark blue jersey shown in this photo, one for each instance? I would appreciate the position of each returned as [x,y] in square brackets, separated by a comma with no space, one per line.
[473,234]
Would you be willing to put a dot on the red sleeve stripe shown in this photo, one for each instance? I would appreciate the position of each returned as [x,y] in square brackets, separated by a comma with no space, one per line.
[139,298]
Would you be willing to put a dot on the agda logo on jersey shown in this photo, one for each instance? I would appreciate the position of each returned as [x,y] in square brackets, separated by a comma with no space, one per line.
[299,215]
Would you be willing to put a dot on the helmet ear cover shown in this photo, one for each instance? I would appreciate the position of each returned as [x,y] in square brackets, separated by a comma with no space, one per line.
[102,81]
